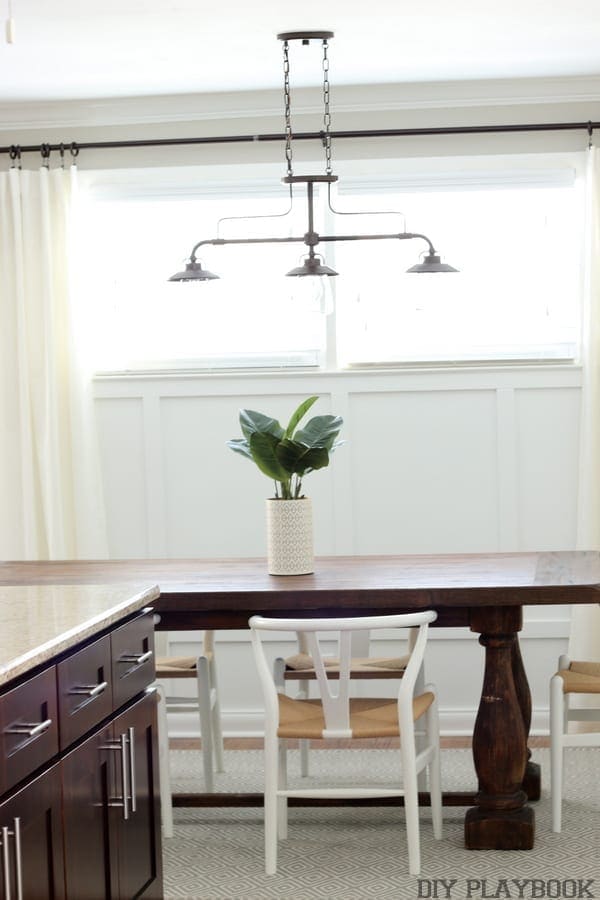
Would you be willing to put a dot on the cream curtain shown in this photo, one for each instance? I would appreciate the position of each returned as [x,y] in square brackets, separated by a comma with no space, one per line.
[585,620]
[50,491]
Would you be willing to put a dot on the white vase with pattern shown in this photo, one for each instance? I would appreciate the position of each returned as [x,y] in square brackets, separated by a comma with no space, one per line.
[290,537]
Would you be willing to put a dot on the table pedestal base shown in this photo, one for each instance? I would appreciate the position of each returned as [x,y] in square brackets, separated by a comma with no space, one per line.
[501,819]
[494,830]
[532,782]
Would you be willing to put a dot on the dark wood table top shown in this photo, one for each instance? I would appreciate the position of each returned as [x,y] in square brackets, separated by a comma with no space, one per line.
[341,582]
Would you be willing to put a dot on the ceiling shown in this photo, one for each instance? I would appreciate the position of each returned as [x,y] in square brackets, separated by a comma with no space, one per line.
[74,49]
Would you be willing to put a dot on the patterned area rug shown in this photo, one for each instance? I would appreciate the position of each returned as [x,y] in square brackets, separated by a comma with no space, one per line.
[356,854]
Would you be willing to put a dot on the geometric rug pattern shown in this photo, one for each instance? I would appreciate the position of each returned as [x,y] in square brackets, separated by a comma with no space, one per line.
[360,853]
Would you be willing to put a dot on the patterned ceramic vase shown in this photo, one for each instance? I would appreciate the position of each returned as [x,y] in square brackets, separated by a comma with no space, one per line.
[290,537]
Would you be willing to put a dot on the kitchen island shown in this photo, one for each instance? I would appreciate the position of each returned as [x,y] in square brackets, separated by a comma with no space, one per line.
[79,792]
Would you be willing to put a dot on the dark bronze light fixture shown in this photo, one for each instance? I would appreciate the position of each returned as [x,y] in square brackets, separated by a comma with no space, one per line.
[313,264]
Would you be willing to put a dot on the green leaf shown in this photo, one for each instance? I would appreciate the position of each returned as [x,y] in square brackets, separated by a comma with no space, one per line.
[263,449]
[291,455]
[316,458]
[299,414]
[252,422]
[240,445]
[320,431]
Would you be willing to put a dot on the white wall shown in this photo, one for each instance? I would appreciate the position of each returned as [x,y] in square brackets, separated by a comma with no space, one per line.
[480,459]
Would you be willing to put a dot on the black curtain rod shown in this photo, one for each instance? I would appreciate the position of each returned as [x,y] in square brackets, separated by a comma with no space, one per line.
[72,146]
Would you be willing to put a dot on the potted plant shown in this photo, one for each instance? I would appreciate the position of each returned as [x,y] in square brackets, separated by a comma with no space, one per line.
[287,455]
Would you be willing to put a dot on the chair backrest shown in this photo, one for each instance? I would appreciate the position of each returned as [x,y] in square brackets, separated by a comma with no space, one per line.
[335,694]
[360,643]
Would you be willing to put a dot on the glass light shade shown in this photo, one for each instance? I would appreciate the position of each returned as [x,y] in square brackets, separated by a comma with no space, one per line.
[312,293]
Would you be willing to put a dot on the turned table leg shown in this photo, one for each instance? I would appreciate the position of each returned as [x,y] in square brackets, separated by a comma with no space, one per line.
[501,820]
[532,781]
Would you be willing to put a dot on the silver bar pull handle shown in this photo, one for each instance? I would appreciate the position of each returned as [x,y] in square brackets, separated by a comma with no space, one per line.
[90,690]
[18,859]
[124,776]
[31,729]
[6,863]
[132,785]
[137,658]
[121,747]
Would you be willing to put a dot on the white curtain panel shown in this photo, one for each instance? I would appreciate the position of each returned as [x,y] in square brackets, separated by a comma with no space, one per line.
[50,489]
[585,620]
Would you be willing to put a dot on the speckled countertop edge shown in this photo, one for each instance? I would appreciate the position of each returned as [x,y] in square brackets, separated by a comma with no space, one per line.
[137,596]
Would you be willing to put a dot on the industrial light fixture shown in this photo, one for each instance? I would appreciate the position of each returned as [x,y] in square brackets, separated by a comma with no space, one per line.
[313,264]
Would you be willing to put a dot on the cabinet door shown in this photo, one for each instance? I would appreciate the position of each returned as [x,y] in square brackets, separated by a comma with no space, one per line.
[89,790]
[31,836]
[140,863]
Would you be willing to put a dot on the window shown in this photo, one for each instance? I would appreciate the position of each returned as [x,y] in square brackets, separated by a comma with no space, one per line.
[512,226]
[252,316]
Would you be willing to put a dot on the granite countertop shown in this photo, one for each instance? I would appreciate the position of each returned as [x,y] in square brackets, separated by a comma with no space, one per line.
[38,622]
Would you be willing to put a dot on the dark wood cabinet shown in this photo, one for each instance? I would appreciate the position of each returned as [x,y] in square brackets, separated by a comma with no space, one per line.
[32,844]
[87,827]
[90,842]
[29,727]
[112,811]
[140,862]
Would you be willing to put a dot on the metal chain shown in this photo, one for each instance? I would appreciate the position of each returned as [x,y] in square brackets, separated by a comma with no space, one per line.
[326,113]
[287,105]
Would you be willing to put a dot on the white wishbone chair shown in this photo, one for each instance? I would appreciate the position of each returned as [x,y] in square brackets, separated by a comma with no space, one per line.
[299,668]
[335,714]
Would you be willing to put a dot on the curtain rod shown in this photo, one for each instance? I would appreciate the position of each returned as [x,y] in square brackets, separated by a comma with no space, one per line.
[73,146]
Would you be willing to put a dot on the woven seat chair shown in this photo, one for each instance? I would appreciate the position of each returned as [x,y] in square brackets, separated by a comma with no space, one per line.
[572,678]
[203,670]
[335,715]
[300,668]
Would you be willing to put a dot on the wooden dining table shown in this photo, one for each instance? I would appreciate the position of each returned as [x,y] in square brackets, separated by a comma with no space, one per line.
[485,592]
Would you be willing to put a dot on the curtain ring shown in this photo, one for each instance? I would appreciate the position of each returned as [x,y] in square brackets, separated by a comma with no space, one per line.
[590,131]
[15,155]
[62,155]
[45,151]
[74,151]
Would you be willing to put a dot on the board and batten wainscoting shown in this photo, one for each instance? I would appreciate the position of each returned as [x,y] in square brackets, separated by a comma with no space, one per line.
[455,460]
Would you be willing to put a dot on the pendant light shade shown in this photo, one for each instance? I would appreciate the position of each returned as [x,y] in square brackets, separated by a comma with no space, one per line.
[193,272]
[312,265]
[432,263]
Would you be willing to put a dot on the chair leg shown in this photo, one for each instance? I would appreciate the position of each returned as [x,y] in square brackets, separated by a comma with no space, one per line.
[166,803]
[217,732]
[557,727]
[204,708]
[411,802]
[278,670]
[435,776]
[271,778]
[421,738]
[303,745]
[282,811]
[304,748]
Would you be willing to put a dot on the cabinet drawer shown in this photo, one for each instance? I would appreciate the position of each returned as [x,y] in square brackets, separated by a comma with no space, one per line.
[132,658]
[84,690]
[29,720]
